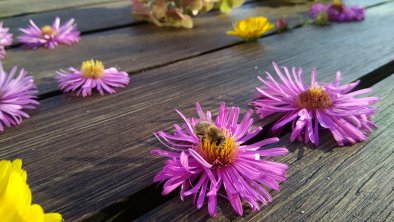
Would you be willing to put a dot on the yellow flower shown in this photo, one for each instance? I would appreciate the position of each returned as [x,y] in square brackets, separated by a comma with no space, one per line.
[251,28]
[15,196]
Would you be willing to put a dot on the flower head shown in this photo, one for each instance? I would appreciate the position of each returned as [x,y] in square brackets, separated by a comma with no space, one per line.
[281,24]
[208,155]
[337,11]
[16,94]
[49,36]
[92,75]
[320,105]
[5,39]
[252,28]
[15,196]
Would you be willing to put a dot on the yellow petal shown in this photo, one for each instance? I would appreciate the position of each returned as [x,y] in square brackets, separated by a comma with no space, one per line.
[53,217]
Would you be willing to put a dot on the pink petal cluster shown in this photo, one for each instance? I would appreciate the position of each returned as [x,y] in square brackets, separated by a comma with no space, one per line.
[338,13]
[5,39]
[74,80]
[346,116]
[49,36]
[16,95]
[242,179]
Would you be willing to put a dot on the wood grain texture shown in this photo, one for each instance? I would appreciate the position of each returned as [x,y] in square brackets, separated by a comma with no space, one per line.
[88,18]
[328,183]
[83,154]
[20,7]
[140,47]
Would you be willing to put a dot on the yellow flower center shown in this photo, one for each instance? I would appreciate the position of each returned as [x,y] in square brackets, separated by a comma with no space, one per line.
[314,98]
[47,30]
[92,69]
[218,155]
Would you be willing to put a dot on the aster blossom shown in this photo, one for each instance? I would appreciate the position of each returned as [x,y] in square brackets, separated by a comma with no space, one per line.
[92,75]
[16,95]
[16,198]
[49,36]
[207,155]
[320,105]
[337,11]
[5,39]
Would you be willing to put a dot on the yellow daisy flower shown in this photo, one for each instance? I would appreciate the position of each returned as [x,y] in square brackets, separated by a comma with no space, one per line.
[16,198]
[251,28]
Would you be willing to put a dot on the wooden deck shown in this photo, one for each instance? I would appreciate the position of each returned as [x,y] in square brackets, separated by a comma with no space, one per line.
[89,158]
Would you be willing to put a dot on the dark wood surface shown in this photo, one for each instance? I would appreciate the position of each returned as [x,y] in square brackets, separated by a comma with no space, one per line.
[88,158]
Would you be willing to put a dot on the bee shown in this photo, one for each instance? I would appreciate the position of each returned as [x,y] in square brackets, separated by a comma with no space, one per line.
[208,131]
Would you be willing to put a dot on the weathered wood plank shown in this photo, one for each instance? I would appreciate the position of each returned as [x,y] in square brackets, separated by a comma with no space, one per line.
[328,183]
[88,18]
[96,150]
[20,7]
[141,47]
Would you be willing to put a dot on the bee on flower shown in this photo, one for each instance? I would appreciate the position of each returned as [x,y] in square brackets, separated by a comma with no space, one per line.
[208,155]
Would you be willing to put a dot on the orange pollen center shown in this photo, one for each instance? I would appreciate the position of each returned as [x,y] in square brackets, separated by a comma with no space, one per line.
[314,98]
[92,69]
[219,155]
[47,30]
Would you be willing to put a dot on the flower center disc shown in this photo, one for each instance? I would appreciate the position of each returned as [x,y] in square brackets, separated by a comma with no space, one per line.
[48,30]
[92,69]
[314,98]
[219,155]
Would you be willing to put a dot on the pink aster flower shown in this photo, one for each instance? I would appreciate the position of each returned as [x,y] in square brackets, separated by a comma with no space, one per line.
[49,36]
[16,95]
[208,155]
[320,105]
[5,39]
[92,75]
[337,11]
